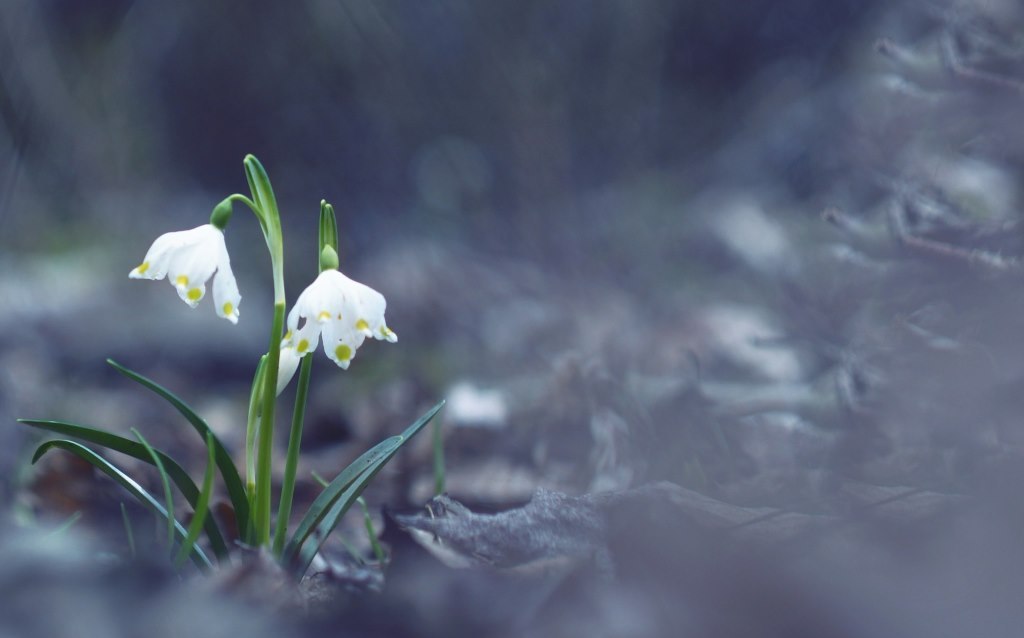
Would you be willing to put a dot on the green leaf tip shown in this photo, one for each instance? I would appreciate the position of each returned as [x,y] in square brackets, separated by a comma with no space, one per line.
[259,184]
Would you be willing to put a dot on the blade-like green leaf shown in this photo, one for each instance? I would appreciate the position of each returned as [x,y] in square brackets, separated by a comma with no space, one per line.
[371,532]
[134,449]
[322,503]
[65,526]
[259,184]
[236,491]
[129,534]
[164,480]
[338,509]
[328,508]
[136,490]
[196,525]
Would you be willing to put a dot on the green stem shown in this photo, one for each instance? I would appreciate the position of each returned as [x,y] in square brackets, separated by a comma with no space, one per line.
[266,429]
[238,197]
[264,204]
[252,424]
[291,464]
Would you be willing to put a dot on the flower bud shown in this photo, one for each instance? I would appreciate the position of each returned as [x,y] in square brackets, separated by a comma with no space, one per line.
[328,235]
[328,259]
[221,214]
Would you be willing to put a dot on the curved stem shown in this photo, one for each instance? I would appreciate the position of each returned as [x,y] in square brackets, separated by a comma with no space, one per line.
[284,510]
[238,197]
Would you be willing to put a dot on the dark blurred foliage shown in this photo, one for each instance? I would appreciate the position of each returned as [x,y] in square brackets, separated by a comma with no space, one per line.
[472,117]
[767,251]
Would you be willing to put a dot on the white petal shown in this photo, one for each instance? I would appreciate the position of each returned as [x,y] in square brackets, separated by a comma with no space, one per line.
[191,294]
[338,332]
[387,334]
[293,317]
[305,339]
[286,368]
[329,300]
[225,292]
[370,306]
[195,263]
[315,299]
[154,265]
[340,352]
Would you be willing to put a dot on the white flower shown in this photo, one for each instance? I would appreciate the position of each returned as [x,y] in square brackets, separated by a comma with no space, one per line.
[344,311]
[188,259]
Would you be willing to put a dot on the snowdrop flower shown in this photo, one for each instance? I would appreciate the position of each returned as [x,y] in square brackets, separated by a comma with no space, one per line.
[344,311]
[188,259]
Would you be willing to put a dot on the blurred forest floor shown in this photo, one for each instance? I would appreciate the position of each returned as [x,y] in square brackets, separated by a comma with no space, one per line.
[767,252]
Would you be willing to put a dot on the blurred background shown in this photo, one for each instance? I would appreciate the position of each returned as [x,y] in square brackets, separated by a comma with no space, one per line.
[767,251]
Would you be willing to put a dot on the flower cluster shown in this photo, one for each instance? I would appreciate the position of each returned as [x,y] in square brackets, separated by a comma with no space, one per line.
[345,312]
[342,312]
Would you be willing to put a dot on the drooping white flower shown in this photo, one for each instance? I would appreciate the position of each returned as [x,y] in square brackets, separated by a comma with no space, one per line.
[343,311]
[188,259]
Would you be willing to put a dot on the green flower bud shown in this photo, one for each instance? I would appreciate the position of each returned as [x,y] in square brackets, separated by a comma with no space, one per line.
[221,214]
[328,232]
[328,259]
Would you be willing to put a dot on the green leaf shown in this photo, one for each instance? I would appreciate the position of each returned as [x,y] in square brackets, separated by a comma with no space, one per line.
[259,184]
[136,450]
[371,532]
[136,490]
[236,491]
[328,508]
[168,495]
[338,509]
[128,530]
[199,516]
[62,529]
[322,504]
